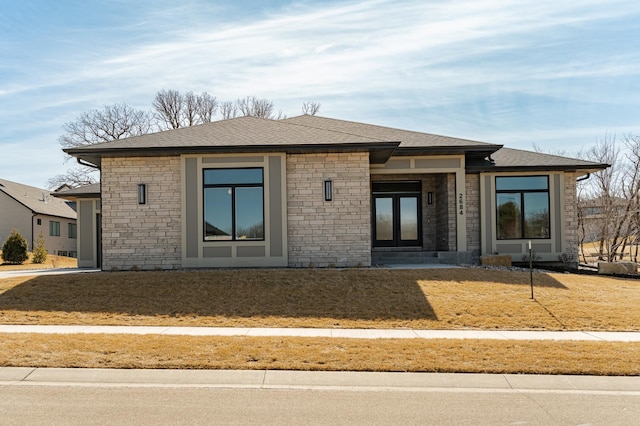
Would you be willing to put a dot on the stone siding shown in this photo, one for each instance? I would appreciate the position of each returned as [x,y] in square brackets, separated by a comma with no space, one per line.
[571,238]
[141,236]
[472,182]
[328,233]
[446,216]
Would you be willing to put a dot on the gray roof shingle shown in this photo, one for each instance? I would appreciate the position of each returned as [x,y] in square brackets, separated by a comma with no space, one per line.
[238,132]
[306,132]
[407,138]
[37,200]
[511,159]
[85,191]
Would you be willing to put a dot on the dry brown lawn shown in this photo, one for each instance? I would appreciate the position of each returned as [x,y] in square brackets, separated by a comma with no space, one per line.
[299,353]
[52,262]
[358,298]
[353,298]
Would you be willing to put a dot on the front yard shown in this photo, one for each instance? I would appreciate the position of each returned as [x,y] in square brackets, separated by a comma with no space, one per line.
[355,298]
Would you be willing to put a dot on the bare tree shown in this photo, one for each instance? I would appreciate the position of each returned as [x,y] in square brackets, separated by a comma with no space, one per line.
[110,123]
[190,114]
[171,110]
[610,202]
[206,108]
[228,110]
[75,177]
[310,108]
[174,110]
[168,106]
[263,108]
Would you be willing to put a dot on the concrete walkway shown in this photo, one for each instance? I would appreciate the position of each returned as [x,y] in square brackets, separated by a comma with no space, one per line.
[40,272]
[345,380]
[330,332]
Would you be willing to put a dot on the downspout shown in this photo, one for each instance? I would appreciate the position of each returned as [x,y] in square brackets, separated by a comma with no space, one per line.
[33,215]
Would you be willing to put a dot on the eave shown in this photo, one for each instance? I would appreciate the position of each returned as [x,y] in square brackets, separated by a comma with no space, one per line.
[379,152]
[591,168]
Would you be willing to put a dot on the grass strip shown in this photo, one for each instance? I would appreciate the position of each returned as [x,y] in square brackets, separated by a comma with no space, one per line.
[319,354]
[326,298]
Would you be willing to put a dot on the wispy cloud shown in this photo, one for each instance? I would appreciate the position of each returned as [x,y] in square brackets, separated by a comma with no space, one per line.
[480,69]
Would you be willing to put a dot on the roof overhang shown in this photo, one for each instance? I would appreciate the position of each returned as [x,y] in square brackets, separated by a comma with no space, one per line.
[379,152]
[539,168]
[474,151]
[76,195]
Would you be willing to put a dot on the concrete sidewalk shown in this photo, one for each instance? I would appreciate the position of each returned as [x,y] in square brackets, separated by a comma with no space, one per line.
[331,332]
[270,379]
[41,272]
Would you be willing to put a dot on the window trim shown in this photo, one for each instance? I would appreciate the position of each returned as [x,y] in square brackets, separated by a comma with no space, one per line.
[522,192]
[54,228]
[233,187]
[72,235]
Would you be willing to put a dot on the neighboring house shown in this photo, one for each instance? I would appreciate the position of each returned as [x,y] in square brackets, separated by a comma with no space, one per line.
[31,211]
[313,191]
[596,212]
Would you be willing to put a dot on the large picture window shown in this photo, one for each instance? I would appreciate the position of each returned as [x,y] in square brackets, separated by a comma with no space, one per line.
[522,207]
[233,204]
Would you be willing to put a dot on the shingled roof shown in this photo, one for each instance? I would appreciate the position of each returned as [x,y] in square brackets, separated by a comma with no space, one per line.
[408,139]
[85,191]
[37,200]
[242,134]
[509,159]
[308,133]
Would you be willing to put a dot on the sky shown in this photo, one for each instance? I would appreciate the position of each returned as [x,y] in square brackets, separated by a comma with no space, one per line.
[556,75]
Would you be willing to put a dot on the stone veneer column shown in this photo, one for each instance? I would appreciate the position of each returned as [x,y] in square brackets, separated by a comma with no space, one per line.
[141,236]
[473,216]
[328,233]
[571,238]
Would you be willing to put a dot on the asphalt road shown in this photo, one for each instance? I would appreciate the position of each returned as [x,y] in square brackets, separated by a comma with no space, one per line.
[87,399]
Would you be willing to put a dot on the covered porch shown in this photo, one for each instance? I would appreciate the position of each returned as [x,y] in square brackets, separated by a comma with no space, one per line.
[418,211]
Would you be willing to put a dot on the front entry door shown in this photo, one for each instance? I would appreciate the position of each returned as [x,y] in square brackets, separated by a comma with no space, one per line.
[396,214]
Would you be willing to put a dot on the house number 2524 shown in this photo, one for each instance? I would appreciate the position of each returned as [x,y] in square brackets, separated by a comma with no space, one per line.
[460,204]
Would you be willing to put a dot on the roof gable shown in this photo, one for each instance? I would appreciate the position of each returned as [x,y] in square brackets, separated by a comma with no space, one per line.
[37,200]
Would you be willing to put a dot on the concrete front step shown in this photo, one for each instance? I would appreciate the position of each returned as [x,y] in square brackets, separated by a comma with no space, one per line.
[403,257]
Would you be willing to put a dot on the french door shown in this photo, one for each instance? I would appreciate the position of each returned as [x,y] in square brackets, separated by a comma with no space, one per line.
[396,214]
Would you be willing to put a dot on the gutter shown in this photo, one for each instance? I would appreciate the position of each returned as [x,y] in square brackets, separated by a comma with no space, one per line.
[86,163]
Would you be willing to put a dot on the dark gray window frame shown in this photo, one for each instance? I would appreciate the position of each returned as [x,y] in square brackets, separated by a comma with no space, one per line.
[233,187]
[523,207]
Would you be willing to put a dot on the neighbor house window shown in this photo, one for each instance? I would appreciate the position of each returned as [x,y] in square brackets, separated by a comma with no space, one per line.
[73,230]
[54,228]
[522,207]
[233,204]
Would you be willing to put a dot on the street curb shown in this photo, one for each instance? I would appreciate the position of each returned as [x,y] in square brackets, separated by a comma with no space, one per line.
[349,380]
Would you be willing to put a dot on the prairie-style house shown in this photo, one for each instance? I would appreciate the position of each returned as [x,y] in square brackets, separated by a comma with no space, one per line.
[314,191]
